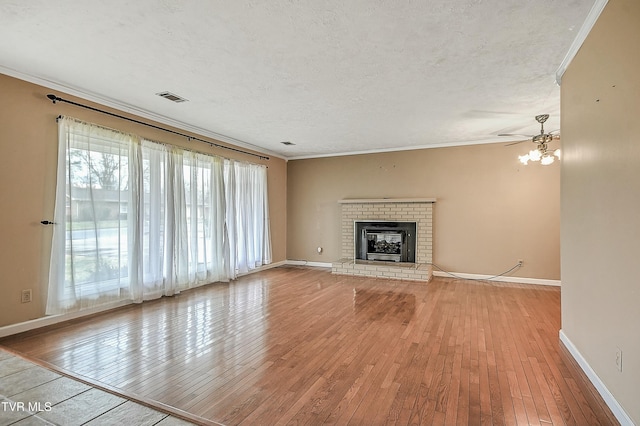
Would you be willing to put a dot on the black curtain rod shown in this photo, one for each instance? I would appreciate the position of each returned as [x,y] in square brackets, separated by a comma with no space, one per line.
[55,99]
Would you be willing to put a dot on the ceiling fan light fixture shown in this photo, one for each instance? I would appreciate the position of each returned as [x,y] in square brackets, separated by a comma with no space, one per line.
[542,152]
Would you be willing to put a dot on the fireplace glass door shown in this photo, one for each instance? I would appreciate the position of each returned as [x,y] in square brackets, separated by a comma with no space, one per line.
[386,241]
[384,246]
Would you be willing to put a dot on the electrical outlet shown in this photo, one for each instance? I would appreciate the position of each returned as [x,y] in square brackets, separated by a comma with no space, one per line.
[26,296]
[619,359]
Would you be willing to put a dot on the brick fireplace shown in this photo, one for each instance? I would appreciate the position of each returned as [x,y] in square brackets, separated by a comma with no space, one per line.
[400,210]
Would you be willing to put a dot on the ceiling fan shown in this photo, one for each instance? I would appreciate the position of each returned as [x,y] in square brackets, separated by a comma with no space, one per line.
[542,152]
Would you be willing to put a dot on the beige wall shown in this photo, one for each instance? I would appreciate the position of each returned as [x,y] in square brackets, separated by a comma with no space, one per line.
[28,144]
[601,201]
[490,210]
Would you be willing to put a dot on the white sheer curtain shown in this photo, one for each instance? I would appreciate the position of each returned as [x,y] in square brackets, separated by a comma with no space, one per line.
[89,243]
[136,219]
[205,200]
[182,220]
[248,216]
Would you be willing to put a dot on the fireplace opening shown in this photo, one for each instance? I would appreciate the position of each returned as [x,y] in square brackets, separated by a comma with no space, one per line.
[385,241]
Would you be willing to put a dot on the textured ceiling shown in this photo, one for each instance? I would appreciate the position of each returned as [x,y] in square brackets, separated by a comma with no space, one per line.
[330,76]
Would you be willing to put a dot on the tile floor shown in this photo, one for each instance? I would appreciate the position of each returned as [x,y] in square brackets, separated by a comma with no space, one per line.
[33,395]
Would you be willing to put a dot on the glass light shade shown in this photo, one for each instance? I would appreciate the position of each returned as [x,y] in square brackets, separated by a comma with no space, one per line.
[524,159]
[546,160]
[535,155]
[557,152]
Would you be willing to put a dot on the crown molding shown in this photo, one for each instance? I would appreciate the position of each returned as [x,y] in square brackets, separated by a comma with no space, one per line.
[584,31]
[396,149]
[113,103]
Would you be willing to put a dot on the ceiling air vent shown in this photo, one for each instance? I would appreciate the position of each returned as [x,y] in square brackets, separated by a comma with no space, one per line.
[171,96]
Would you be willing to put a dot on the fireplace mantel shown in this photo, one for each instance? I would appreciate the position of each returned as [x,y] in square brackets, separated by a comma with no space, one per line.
[385,200]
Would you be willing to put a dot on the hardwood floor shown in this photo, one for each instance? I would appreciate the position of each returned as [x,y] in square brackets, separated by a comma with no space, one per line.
[295,345]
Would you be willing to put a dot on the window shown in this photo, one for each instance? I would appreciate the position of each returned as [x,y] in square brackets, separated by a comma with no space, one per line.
[137,220]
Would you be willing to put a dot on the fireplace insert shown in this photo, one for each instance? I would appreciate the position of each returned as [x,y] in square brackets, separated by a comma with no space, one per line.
[385,241]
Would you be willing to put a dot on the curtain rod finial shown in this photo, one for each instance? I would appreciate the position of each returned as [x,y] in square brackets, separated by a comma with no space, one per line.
[53,98]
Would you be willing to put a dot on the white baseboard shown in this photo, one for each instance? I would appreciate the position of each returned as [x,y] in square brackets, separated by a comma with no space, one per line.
[21,327]
[616,409]
[264,268]
[507,279]
[308,263]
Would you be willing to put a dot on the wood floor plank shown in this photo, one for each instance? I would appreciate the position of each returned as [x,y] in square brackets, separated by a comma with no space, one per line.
[298,345]
[555,416]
